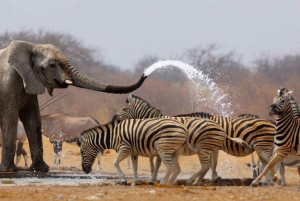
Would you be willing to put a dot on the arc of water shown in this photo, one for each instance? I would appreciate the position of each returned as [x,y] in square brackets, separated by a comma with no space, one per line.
[199,82]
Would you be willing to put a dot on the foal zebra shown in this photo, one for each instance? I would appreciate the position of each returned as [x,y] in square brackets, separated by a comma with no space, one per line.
[165,138]
[206,135]
[287,137]
[258,133]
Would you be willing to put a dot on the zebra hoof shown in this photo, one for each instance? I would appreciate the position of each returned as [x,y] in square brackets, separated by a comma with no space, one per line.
[265,184]
[124,183]
[189,183]
[150,183]
[254,185]
[217,181]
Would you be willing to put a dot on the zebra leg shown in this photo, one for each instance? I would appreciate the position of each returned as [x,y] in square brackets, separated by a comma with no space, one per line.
[19,152]
[205,165]
[121,156]
[169,164]
[128,162]
[298,168]
[99,161]
[274,160]
[57,146]
[193,178]
[155,170]
[151,164]
[24,153]
[270,177]
[134,160]
[282,173]
[176,169]
[214,161]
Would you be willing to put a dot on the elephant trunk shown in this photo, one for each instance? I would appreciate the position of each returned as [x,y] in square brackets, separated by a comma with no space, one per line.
[82,81]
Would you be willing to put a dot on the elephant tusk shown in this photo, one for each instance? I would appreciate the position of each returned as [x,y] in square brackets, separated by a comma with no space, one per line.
[68,82]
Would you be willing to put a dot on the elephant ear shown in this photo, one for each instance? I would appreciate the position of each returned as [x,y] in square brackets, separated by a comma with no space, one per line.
[20,53]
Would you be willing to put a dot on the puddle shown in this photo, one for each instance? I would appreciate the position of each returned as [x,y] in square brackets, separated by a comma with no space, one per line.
[49,181]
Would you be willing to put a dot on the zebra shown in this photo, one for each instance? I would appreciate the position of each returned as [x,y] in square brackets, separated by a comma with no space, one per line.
[206,135]
[287,137]
[258,133]
[257,167]
[132,137]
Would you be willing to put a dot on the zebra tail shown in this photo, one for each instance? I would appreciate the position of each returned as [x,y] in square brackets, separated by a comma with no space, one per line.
[240,141]
[193,149]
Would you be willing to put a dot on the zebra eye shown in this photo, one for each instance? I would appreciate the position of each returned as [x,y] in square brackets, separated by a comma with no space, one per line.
[81,152]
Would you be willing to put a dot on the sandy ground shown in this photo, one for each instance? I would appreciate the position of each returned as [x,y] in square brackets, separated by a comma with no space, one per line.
[228,167]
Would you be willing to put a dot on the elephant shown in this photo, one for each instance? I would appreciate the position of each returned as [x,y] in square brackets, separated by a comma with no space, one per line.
[26,69]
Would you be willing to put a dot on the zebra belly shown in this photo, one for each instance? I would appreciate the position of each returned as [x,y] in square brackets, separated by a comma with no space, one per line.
[235,149]
[292,161]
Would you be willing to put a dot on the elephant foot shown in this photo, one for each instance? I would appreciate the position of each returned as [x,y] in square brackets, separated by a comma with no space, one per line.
[39,167]
[8,168]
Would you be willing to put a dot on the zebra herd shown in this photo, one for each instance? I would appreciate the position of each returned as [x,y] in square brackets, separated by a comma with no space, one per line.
[140,129]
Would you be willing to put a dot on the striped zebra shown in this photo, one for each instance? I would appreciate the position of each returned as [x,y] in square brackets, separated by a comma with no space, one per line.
[257,169]
[287,137]
[166,138]
[206,135]
[258,133]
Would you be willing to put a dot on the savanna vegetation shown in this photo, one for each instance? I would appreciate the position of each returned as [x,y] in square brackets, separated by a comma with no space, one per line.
[249,89]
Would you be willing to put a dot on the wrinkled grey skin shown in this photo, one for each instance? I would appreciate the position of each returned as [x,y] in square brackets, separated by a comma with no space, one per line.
[21,138]
[60,128]
[25,70]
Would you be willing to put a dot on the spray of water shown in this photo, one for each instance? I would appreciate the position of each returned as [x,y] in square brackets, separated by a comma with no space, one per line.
[203,91]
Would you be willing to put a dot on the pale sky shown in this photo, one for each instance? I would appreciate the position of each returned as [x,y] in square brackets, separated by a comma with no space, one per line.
[128,30]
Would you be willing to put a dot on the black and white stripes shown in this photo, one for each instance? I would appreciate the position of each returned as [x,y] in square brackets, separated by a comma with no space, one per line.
[287,138]
[165,138]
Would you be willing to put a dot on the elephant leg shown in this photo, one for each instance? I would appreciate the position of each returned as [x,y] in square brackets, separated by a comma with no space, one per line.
[8,124]
[57,147]
[31,119]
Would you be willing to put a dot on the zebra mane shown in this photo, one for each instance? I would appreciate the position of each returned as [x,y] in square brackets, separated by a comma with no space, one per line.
[195,114]
[247,115]
[141,101]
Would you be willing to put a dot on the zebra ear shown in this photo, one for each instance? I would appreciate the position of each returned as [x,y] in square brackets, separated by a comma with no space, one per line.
[129,98]
[79,139]
[290,92]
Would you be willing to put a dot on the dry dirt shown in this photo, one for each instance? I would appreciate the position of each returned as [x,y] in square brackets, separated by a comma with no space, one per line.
[228,167]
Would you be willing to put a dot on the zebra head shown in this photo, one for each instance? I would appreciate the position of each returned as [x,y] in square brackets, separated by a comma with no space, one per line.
[87,151]
[136,108]
[280,103]
[123,113]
